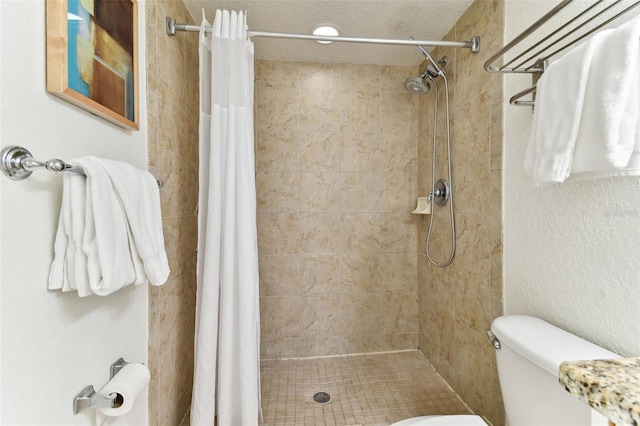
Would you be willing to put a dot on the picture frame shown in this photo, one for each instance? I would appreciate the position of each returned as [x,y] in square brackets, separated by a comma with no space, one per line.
[92,57]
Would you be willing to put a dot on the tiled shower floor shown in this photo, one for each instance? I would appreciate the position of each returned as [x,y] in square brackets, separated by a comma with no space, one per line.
[373,389]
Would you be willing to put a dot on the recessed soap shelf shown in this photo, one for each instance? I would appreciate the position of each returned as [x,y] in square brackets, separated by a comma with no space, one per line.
[424,205]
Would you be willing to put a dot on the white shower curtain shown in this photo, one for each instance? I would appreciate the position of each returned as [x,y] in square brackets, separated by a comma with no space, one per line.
[227,339]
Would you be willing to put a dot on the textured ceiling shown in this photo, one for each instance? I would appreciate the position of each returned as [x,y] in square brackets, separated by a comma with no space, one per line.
[396,19]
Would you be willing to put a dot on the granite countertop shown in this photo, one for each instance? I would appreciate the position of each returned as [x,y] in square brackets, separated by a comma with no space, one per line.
[610,386]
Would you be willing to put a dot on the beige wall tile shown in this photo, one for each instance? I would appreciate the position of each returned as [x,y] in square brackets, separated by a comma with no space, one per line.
[392,77]
[360,232]
[399,312]
[360,314]
[276,74]
[279,317]
[277,151]
[399,113]
[359,192]
[360,111]
[320,346]
[278,233]
[360,273]
[315,75]
[277,109]
[452,330]
[361,344]
[320,192]
[398,152]
[360,78]
[360,152]
[398,342]
[318,109]
[279,275]
[347,174]
[469,289]
[172,119]
[319,233]
[278,192]
[319,151]
[397,232]
[320,274]
[271,348]
[398,192]
[319,316]
[473,243]
[399,272]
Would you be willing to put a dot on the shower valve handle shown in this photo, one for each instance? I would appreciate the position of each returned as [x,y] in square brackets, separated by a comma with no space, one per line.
[441,192]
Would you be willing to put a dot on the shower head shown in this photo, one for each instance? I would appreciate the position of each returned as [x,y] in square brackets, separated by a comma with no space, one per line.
[417,85]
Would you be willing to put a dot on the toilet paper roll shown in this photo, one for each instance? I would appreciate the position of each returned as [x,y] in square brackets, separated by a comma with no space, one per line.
[128,384]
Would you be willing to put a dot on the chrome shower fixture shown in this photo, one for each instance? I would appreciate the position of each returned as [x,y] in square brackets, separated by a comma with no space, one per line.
[434,64]
[419,85]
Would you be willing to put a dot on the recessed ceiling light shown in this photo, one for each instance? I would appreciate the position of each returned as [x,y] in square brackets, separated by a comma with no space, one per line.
[327,31]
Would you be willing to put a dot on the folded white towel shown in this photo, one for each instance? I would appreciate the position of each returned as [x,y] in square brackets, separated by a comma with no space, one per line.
[111,261]
[110,230]
[607,135]
[140,200]
[586,116]
[69,267]
[557,114]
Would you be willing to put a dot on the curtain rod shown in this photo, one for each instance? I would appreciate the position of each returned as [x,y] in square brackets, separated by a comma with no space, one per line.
[474,45]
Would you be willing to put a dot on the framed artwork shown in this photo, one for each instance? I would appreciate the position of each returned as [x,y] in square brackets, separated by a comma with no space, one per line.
[92,57]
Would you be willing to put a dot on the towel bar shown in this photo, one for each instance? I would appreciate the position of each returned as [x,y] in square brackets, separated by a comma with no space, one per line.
[17,163]
[590,18]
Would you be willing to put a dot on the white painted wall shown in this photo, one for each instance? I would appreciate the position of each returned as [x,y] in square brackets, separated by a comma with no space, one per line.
[53,344]
[571,251]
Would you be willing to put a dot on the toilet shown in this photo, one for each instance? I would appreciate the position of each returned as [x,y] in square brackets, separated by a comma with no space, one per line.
[529,352]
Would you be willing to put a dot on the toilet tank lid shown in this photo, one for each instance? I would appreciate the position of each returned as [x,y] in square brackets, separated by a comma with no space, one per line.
[545,344]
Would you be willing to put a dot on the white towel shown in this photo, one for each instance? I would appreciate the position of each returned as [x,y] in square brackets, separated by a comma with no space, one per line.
[110,230]
[140,199]
[69,267]
[112,262]
[557,114]
[607,135]
[586,117]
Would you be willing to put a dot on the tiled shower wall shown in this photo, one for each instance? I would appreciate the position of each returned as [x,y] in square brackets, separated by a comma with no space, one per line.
[336,177]
[458,303]
[172,102]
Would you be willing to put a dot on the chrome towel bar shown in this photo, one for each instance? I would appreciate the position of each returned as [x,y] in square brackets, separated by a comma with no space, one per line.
[17,163]
[533,59]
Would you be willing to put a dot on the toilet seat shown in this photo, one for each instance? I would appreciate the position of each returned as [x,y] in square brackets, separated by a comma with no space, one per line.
[457,420]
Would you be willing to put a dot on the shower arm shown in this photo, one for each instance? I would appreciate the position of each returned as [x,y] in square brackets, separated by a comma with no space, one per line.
[439,70]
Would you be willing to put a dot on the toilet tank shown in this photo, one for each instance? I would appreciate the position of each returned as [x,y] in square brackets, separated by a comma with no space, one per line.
[528,362]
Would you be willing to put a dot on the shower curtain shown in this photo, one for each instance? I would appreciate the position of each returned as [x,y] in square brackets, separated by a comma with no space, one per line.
[227,339]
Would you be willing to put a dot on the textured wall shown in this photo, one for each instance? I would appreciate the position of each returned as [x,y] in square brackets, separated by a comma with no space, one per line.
[458,303]
[572,251]
[336,156]
[172,96]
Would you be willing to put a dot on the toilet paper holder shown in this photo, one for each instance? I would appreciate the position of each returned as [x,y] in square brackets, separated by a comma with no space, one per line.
[89,398]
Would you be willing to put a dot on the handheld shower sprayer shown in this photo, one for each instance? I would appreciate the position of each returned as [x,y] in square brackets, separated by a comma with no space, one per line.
[434,64]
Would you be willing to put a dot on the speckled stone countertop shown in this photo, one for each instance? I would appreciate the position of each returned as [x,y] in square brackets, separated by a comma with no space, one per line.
[610,386]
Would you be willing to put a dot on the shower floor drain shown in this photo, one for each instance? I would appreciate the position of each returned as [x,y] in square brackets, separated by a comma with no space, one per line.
[321,397]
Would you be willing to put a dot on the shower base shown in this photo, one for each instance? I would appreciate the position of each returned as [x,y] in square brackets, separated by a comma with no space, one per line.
[371,389]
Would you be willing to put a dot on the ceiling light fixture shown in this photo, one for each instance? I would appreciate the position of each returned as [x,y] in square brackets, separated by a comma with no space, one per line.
[326,31]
